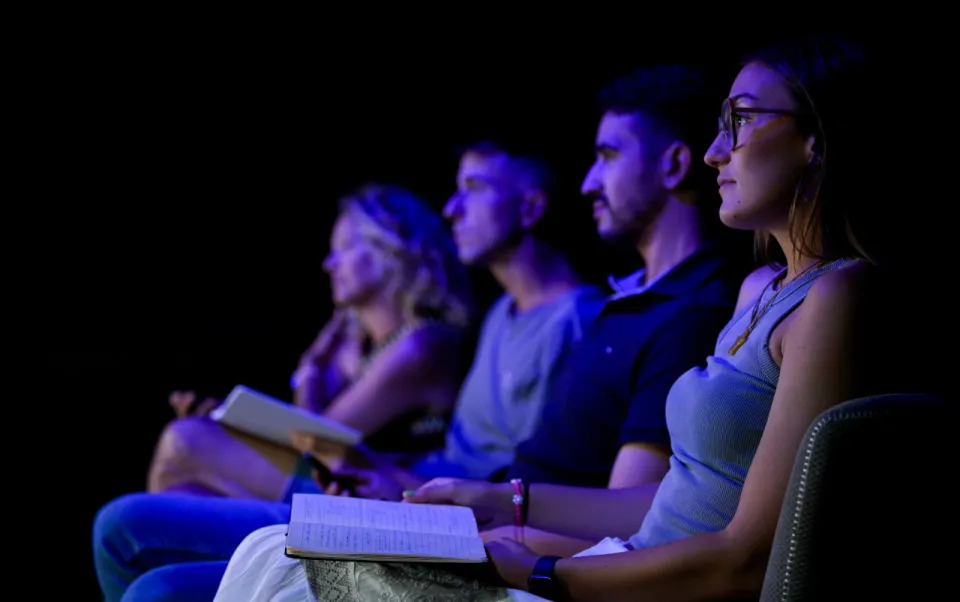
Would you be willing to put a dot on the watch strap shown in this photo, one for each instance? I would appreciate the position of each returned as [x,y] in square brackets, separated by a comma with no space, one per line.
[542,580]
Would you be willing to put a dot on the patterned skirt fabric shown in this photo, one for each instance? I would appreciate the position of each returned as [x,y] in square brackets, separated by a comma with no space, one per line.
[340,581]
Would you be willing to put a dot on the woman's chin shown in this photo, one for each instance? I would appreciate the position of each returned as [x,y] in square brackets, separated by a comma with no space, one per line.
[341,300]
[733,218]
[728,216]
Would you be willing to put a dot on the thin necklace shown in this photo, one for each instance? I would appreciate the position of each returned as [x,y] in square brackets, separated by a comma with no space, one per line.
[758,312]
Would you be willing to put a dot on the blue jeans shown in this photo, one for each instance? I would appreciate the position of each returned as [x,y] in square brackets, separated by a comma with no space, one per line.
[153,546]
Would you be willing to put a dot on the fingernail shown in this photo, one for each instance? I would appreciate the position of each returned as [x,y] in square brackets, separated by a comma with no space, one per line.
[409,492]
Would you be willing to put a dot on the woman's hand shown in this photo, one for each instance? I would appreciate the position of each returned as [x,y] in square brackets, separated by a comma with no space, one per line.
[336,456]
[308,443]
[338,345]
[305,443]
[492,503]
[185,403]
[367,484]
[514,561]
[326,340]
[328,366]
[348,355]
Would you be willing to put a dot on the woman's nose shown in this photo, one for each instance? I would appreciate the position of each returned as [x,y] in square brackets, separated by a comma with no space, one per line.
[718,153]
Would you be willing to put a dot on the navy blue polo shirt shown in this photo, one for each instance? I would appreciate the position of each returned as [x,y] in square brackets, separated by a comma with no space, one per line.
[614,384]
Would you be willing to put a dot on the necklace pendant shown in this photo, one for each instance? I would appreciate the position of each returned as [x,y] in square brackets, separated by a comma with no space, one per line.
[739,342]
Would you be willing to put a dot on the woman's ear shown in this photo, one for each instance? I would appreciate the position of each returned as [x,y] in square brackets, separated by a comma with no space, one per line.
[814,154]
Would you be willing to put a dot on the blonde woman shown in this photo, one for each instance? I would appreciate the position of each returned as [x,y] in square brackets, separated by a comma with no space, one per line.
[388,363]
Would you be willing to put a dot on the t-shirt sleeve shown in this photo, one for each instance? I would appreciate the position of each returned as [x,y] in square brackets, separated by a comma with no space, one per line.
[678,345]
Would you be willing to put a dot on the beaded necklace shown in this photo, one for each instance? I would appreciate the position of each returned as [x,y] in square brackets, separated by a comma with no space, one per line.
[396,335]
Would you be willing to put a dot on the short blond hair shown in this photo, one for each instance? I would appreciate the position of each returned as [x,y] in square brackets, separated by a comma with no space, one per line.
[433,282]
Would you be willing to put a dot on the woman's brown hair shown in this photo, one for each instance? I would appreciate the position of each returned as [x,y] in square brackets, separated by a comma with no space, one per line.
[829,80]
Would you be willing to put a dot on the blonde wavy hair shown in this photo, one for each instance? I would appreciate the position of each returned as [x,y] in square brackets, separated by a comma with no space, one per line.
[433,282]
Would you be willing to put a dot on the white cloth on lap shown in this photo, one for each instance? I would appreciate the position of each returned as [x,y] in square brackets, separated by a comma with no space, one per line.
[259,571]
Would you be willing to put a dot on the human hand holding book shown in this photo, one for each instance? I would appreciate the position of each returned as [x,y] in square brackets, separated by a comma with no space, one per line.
[492,503]
[270,419]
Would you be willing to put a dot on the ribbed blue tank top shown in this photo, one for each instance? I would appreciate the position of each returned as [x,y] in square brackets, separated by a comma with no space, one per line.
[715,416]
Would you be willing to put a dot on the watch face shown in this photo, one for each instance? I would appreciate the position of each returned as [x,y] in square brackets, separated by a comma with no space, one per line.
[541,586]
[541,581]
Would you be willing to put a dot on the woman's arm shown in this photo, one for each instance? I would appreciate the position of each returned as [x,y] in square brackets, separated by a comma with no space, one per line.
[578,512]
[544,543]
[589,514]
[320,377]
[420,369]
[816,374]
[315,386]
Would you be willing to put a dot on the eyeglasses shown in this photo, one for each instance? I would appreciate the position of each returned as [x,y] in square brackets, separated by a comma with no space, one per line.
[729,123]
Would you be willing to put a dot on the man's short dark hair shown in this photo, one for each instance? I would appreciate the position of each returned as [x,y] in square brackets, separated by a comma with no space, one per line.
[681,101]
[566,225]
[538,169]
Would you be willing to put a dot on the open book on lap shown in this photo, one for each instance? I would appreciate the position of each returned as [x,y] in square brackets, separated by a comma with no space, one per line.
[343,528]
[268,418]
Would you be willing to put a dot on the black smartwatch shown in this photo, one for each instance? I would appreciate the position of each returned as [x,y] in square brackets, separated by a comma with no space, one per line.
[542,581]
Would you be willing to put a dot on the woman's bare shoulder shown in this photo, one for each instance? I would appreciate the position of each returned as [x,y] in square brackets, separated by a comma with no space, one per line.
[429,346]
[840,303]
[754,283]
[852,283]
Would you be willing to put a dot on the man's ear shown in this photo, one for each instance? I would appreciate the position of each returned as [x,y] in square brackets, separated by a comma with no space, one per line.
[675,162]
[533,207]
